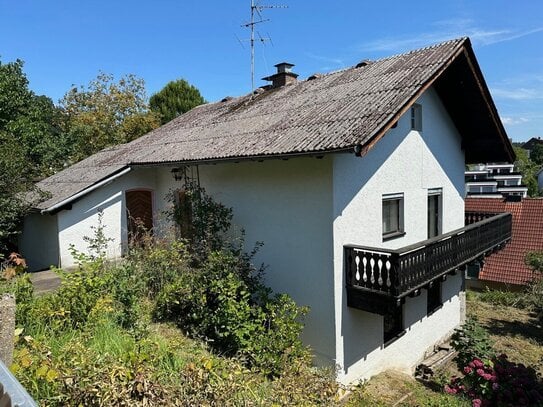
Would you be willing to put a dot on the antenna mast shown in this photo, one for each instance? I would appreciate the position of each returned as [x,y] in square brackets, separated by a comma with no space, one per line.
[256,9]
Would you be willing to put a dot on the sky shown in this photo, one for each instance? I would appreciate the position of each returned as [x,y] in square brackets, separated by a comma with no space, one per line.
[65,43]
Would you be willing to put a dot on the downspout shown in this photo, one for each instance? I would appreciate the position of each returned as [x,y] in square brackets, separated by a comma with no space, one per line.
[85,191]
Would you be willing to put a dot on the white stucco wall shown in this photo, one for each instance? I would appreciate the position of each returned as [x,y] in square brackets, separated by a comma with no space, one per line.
[38,242]
[76,223]
[407,162]
[286,204]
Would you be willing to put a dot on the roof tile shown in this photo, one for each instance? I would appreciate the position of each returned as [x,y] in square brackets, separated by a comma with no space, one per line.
[508,266]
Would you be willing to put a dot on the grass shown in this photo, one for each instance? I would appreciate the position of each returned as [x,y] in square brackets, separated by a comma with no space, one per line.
[397,389]
[515,332]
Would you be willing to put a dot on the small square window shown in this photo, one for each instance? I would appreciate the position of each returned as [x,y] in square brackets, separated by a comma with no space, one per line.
[416,117]
[392,325]
[434,297]
[392,215]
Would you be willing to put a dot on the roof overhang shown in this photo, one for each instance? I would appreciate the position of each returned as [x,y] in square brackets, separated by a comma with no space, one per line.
[65,202]
[463,91]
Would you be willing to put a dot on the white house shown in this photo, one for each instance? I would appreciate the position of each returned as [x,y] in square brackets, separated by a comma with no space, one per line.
[343,176]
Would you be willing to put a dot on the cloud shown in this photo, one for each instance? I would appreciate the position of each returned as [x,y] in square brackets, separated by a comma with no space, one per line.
[517,93]
[511,121]
[446,30]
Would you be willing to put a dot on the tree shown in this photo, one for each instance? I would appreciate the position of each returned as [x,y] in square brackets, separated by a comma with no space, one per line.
[106,113]
[29,145]
[528,169]
[176,98]
[536,155]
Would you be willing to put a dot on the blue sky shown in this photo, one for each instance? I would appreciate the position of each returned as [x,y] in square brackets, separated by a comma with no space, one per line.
[66,43]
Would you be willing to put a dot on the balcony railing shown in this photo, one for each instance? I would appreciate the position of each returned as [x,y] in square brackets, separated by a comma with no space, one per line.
[393,274]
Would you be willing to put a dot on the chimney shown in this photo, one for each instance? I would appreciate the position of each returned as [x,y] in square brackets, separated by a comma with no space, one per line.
[283,77]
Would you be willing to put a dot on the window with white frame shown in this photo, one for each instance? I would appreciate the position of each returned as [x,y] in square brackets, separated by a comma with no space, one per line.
[416,117]
[393,215]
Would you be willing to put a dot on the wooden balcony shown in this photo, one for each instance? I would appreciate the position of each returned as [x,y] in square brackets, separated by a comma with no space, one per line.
[378,279]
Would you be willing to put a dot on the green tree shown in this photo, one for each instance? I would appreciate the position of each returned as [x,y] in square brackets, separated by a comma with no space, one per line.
[528,169]
[536,155]
[106,113]
[30,145]
[176,98]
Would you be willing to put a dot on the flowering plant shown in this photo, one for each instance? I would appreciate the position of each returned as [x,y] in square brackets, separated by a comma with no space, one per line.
[498,382]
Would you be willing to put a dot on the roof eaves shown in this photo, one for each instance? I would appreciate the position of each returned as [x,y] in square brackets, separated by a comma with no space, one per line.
[475,68]
[409,101]
[59,205]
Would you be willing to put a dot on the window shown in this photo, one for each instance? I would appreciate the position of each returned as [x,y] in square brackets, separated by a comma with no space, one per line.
[392,216]
[416,117]
[392,325]
[434,297]
[434,212]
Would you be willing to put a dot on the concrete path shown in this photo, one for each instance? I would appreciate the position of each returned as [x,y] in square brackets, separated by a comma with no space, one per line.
[44,281]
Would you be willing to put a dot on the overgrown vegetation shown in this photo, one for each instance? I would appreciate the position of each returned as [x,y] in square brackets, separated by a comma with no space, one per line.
[491,380]
[471,342]
[118,334]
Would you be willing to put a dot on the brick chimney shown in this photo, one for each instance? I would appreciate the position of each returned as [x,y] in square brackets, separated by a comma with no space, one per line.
[283,77]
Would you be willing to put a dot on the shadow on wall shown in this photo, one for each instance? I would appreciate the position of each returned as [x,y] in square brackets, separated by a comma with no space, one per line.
[366,329]
[77,223]
[365,335]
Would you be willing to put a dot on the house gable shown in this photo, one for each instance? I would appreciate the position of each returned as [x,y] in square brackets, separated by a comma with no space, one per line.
[414,164]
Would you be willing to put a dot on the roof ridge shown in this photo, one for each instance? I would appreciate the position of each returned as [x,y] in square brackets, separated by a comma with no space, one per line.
[459,40]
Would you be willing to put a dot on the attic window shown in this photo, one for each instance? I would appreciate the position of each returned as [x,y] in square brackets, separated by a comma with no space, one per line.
[416,117]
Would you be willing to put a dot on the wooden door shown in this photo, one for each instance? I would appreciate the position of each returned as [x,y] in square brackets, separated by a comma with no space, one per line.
[139,212]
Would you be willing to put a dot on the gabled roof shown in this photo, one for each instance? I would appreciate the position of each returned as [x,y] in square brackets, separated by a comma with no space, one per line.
[334,112]
[530,144]
[507,265]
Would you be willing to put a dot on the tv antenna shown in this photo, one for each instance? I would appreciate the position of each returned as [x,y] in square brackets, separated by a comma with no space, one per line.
[256,12]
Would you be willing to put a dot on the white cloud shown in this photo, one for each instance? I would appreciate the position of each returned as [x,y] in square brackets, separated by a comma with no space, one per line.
[511,121]
[517,93]
[446,30]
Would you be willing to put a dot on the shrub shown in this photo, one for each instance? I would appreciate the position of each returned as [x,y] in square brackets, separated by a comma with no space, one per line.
[498,382]
[203,222]
[499,297]
[227,305]
[471,341]
[157,263]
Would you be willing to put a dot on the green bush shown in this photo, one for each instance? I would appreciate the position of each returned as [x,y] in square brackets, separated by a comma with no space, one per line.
[203,222]
[500,297]
[471,341]
[230,308]
[157,263]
